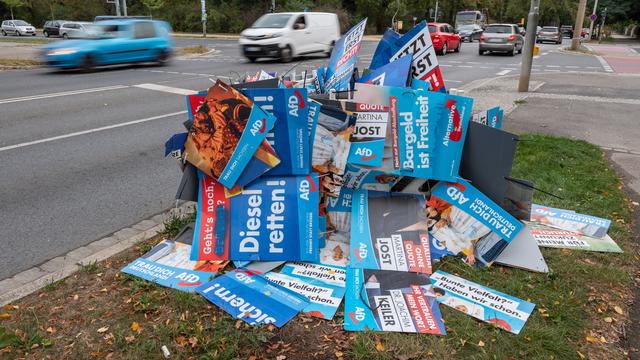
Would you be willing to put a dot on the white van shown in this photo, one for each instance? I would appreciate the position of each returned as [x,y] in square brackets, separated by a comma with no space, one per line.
[287,35]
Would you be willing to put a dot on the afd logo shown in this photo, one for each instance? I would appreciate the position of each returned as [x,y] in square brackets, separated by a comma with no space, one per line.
[366,154]
[306,186]
[456,193]
[545,211]
[361,252]
[454,119]
[295,102]
[357,316]
[188,279]
[259,126]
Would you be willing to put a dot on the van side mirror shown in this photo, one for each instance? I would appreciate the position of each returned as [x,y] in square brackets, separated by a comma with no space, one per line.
[298,26]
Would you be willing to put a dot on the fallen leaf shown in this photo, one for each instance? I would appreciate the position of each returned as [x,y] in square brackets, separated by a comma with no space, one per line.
[104,290]
[339,354]
[9,307]
[5,316]
[238,324]
[602,339]
[103,329]
[608,319]
[135,326]
[193,341]
[379,346]
[34,346]
[462,342]
[580,354]
[618,309]
[481,343]
[281,357]
[75,297]
[129,339]
[591,339]
[51,330]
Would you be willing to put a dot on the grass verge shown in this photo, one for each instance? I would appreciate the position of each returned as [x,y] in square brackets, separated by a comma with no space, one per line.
[24,40]
[13,63]
[193,50]
[581,305]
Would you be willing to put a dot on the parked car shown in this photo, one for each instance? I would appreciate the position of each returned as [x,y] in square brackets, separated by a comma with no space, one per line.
[444,38]
[113,42]
[76,30]
[52,28]
[287,35]
[567,31]
[550,33]
[470,32]
[501,38]
[17,27]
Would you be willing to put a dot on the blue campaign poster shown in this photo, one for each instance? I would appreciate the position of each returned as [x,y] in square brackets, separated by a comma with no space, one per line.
[276,218]
[247,296]
[451,133]
[483,303]
[322,285]
[382,300]
[343,59]
[568,220]
[289,136]
[395,73]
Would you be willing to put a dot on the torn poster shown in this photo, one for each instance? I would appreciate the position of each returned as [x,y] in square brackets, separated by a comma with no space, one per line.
[491,117]
[259,214]
[568,220]
[228,132]
[483,303]
[168,264]
[547,236]
[343,59]
[395,73]
[389,232]
[247,296]
[394,301]
[337,230]
[322,285]
[289,136]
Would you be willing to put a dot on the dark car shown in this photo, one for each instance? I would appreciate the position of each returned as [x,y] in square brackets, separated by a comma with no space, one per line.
[567,31]
[52,28]
[470,32]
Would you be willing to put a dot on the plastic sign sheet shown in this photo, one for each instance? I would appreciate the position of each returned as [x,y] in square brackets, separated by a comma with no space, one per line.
[483,303]
[276,218]
[335,250]
[395,73]
[468,223]
[389,233]
[168,264]
[369,133]
[227,131]
[492,117]
[193,104]
[568,220]
[343,59]
[416,42]
[322,285]
[367,179]
[382,300]
[555,238]
[211,231]
[247,296]
[289,136]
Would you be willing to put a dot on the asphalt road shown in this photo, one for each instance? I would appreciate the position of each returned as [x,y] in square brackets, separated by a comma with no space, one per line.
[82,154]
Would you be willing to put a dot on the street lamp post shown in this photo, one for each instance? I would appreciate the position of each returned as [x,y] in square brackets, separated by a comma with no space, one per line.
[592,19]
[529,42]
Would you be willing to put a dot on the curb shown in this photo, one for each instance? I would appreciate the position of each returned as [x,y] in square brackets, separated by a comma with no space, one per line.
[61,267]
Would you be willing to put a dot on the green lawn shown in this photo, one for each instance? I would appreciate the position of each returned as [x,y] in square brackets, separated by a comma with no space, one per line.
[578,304]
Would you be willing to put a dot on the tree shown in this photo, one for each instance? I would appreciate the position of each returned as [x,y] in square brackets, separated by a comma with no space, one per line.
[153,5]
[13,3]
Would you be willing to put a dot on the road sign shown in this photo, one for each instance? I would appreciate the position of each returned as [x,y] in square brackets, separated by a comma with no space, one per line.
[593,17]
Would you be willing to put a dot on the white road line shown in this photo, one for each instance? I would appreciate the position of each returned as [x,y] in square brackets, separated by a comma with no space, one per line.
[445,65]
[167,89]
[571,66]
[84,132]
[464,66]
[552,70]
[604,64]
[555,66]
[452,81]
[64,93]
[504,72]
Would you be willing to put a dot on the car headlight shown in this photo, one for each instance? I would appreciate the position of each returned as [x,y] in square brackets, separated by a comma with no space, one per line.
[63,51]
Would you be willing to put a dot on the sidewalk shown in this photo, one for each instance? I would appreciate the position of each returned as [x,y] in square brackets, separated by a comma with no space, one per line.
[21,51]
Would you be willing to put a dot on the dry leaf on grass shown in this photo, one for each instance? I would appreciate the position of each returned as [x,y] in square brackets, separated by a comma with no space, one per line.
[379,346]
[135,327]
[129,339]
[103,329]
[5,316]
[481,343]
[618,309]
[608,319]
[591,339]
[281,357]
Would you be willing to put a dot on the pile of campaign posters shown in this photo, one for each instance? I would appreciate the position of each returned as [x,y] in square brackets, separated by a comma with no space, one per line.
[394,301]
[483,303]
[547,236]
[570,220]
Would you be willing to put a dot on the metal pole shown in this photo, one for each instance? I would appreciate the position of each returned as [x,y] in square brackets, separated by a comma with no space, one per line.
[435,16]
[595,7]
[529,42]
[203,9]
[117,7]
[604,17]
[577,29]
[124,7]
[273,6]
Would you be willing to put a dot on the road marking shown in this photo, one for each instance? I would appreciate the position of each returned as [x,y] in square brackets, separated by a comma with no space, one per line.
[571,66]
[445,65]
[586,98]
[84,132]
[504,72]
[454,81]
[556,66]
[552,70]
[167,89]
[64,93]
[464,66]
[604,64]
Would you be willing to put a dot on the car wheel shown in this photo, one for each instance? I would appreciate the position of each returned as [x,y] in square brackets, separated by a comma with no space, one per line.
[251,59]
[34,34]
[65,36]
[286,54]
[513,51]
[457,49]
[4,33]
[520,50]
[443,51]
[163,57]
[88,63]
[480,52]
[46,34]
[18,33]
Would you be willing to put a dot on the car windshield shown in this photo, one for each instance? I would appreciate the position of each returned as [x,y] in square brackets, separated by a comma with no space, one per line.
[501,29]
[104,31]
[20,23]
[549,29]
[272,21]
[466,27]
[433,28]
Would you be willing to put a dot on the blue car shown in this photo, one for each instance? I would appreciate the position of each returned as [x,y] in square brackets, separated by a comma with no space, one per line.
[113,42]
